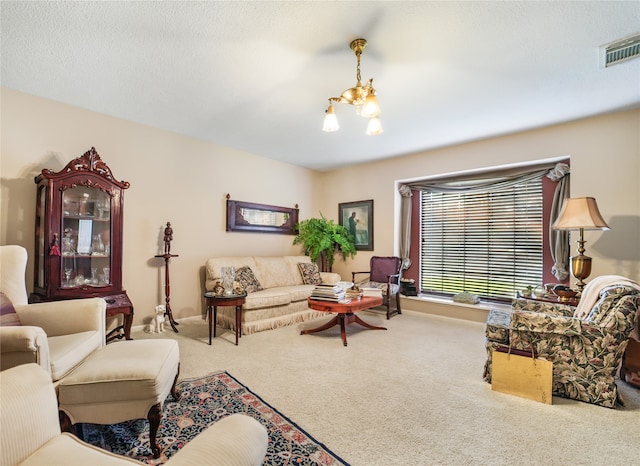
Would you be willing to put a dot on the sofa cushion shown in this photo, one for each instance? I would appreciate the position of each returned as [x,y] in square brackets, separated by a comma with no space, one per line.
[274,271]
[277,296]
[299,292]
[310,273]
[68,351]
[293,261]
[8,315]
[247,280]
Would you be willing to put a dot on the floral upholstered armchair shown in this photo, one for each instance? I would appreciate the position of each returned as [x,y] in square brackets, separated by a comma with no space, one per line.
[585,343]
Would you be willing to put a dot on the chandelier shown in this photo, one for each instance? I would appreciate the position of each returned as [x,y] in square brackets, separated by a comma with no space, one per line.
[362,97]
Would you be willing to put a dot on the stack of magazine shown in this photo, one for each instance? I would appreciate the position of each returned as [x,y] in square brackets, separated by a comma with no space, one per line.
[371,291]
[333,293]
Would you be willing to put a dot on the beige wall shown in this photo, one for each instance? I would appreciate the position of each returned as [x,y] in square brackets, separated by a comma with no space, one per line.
[605,164]
[183,180]
[173,178]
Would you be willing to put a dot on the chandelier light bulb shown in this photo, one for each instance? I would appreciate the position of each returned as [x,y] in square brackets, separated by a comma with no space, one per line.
[374,127]
[370,108]
[330,121]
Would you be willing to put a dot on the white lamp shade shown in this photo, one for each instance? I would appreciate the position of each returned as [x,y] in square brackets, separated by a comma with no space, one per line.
[374,127]
[330,121]
[580,212]
[370,108]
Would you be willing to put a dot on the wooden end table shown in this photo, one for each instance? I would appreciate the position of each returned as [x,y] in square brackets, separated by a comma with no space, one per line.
[345,314]
[213,301]
[119,304]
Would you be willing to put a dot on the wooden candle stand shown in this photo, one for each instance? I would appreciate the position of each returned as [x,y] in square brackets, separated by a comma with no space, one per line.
[168,237]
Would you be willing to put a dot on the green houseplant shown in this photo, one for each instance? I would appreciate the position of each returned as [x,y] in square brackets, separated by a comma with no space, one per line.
[322,239]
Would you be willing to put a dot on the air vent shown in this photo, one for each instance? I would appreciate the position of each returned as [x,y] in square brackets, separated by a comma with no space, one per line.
[621,50]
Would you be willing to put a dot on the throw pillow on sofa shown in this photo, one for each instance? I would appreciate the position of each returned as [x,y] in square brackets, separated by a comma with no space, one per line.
[247,280]
[8,315]
[310,273]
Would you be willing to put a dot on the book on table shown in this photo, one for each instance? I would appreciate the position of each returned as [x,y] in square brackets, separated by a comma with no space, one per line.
[371,291]
[343,300]
[331,293]
[327,286]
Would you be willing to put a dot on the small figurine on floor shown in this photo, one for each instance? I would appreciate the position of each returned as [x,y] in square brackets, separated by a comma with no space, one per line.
[157,323]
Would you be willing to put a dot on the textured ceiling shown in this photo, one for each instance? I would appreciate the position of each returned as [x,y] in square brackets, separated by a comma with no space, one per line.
[256,76]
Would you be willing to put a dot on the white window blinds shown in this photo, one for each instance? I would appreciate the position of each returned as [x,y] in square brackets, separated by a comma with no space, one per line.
[489,243]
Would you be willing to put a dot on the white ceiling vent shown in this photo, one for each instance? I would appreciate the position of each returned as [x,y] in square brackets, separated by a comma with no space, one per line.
[621,51]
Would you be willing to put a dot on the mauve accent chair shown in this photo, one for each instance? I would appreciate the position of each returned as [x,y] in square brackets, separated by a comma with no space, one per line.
[384,273]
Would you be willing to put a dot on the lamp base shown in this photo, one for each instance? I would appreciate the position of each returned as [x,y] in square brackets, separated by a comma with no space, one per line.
[581,269]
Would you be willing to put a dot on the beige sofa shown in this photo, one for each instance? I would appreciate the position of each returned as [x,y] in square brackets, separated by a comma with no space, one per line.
[281,302]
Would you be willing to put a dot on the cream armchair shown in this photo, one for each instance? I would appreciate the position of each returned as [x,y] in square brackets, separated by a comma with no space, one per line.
[58,335]
[30,431]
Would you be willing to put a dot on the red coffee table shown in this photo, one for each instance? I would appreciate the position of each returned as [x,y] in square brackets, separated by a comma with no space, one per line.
[345,314]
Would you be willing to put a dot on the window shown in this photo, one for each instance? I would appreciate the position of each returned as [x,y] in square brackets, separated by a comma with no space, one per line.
[486,243]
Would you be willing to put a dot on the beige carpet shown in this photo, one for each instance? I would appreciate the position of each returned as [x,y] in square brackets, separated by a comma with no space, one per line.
[411,395]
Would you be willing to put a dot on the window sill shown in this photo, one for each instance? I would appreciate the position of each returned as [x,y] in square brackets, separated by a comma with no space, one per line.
[447,307]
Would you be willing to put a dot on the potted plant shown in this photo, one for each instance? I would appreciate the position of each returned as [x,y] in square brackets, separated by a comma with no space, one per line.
[322,239]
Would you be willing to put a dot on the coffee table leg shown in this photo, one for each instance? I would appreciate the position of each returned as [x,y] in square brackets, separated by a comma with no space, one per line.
[358,320]
[343,332]
[329,324]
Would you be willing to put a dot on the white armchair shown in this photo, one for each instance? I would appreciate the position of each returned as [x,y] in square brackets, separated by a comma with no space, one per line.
[57,335]
[30,432]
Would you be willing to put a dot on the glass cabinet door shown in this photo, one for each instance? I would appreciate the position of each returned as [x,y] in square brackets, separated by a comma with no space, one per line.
[85,244]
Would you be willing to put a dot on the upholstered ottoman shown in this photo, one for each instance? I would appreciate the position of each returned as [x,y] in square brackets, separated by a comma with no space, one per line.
[122,381]
[497,334]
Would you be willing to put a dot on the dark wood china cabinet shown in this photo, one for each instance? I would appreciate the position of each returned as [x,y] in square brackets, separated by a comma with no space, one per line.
[79,224]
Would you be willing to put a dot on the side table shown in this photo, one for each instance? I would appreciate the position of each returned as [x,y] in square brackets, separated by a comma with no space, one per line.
[120,304]
[213,301]
[116,304]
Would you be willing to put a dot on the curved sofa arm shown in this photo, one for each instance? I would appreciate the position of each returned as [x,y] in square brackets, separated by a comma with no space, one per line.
[23,345]
[236,439]
[65,317]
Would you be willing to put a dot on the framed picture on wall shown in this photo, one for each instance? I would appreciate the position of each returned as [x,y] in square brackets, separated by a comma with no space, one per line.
[357,217]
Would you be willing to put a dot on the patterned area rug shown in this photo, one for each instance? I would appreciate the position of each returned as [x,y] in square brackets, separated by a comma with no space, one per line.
[204,401]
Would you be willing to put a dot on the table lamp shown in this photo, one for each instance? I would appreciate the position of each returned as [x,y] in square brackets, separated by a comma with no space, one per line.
[580,213]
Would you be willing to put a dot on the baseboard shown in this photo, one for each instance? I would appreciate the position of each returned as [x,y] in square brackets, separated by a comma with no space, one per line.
[427,305]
